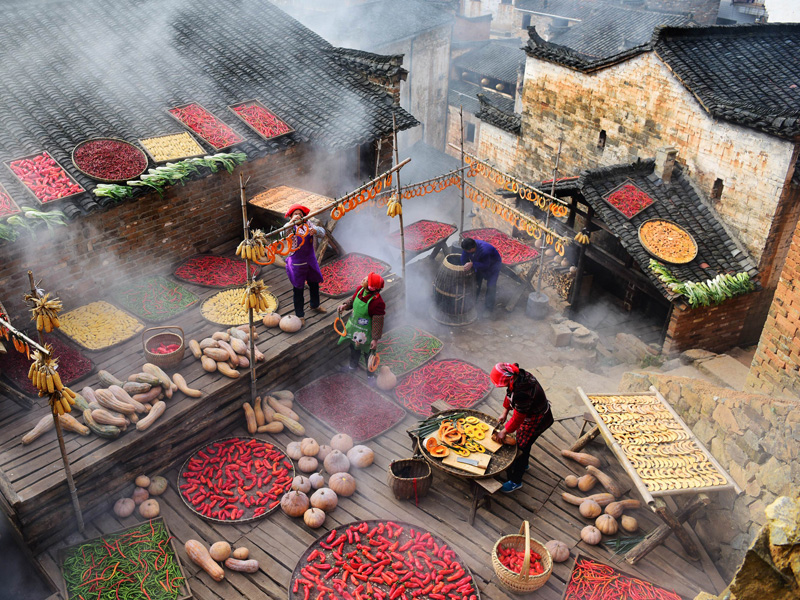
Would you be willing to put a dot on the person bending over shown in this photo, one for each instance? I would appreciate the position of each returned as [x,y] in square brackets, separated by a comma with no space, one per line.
[484,259]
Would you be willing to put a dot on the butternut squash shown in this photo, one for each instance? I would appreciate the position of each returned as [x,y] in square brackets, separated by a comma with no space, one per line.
[292,425]
[184,387]
[197,352]
[259,413]
[123,396]
[149,396]
[46,423]
[199,555]
[250,416]
[282,408]
[218,354]
[258,355]
[221,336]
[88,393]
[105,417]
[107,400]
[208,343]
[226,370]
[155,412]
[134,387]
[269,412]
[283,396]
[581,458]
[105,431]
[209,364]
[615,509]
[273,427]
[107,378]
[243,566]
[607,482]
[69,423]
[239,347]
[232,356]
[242,362]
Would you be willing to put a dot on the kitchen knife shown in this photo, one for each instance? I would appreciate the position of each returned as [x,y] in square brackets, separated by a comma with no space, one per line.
[468,461]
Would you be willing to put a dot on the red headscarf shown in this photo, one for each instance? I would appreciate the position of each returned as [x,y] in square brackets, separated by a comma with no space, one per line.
[374,281]
[503,374]
[304,209]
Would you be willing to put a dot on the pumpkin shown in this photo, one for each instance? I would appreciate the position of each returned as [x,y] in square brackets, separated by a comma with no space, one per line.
[307,464]
[314,517]
[158,485]
[571,481]
[360,456]
[149,509]
[290,324]
[271,320]
[324,450]
[220,551]
[294,451]
[587,482]
[317,480]
[591,535]
[241,553]
[124,507]
[559,551]
[341,442]
[336,462]
[294,503]
[324,499]
[343,484]
[140,495]
[200,556]
[309,447]
[301,484]
[590,509]
[629,524]
[386,379]
[142,481]
[606,524]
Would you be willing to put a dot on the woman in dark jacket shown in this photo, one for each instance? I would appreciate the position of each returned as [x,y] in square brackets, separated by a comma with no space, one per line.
[530,417]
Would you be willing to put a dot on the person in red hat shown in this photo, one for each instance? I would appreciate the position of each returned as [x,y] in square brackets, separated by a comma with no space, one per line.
[365,326]
[531,416]
[302,266]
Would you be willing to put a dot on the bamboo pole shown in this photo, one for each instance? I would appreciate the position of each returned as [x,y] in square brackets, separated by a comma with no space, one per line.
[251,332]
[400,200]
[73,492]
[461,119]
[547,221]
[19,335]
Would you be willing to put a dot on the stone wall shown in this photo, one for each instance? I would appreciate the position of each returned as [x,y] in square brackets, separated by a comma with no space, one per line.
[776,364]
[498,147]
[141,237]
[756,438]
[454,133]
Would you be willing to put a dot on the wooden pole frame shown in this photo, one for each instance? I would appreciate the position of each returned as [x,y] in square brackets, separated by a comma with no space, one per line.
[400,201]
[251,332]
[547,221]
[461,120]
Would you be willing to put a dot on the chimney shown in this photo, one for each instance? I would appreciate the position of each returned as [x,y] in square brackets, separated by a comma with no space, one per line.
[665,162]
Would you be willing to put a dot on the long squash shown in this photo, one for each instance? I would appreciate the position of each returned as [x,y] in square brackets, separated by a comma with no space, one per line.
[166,382]
[105,431]
[292,425]
[581,458]
[282,408]
[123,396]
[184,387]
[107,400]
[200,556]
[105,417]
[69,423]
[46,423]
[607,482]
[250,416]
[602,499]
[155,412]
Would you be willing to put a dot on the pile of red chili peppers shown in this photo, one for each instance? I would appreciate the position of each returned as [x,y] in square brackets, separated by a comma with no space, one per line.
[348,406]
[458,383]
[513,559]
[156,298]
[7,206]
[422,235]
[214,271]
[512,252]
[236,479]
[72,365]
[592,580]
[45,177]
[206,125]
[406,348]
[343,275]
[137,563]
[629,200]
[384,561]
[261,119]
[114,160]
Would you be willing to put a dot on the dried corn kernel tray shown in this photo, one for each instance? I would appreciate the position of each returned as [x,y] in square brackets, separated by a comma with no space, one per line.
[667,241]
[173,146]
[657,444]
[99,325]
[226,308]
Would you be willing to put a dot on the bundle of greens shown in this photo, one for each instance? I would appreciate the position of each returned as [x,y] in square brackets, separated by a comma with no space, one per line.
[28,220]
[710,292]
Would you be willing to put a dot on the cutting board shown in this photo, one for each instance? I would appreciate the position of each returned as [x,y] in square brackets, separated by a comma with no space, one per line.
[483,461]
[488,442]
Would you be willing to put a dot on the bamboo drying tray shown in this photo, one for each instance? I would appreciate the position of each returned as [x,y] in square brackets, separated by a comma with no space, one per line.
[261,105]
[30,190]
[678,231]
[618,188]
[114,311]
[245,319]
[111,139]
[655,447]
[239,137]
[185,136]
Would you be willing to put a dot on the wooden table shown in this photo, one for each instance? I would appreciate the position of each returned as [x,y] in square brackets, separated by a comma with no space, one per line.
[621,415]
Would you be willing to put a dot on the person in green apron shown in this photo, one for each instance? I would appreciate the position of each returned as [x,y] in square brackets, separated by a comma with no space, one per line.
[365,325]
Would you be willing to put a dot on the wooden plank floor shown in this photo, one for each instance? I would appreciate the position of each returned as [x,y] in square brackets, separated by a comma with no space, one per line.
[278,541]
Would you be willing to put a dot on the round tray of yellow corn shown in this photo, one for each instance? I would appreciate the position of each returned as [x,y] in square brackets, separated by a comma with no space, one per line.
[226,307]
[99,325]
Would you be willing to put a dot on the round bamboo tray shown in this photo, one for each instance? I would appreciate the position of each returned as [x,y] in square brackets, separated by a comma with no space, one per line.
[133,175]
[409,478]
[659,254]
[164,361]
[522,582]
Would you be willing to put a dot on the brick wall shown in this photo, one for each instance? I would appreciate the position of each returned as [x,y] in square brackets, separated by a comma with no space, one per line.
[454,133]
[776,364]
[498,147]
[142,237]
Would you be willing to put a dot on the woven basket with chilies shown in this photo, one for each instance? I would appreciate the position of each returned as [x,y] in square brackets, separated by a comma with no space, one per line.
[171,359]
[524,581]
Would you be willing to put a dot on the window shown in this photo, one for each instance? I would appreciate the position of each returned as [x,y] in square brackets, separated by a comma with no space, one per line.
[716,190]
[470,133]
[601,140]
[526,21]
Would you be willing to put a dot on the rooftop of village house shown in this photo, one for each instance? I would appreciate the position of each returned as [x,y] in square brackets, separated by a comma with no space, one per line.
[746,74]
[84,85]
[495,58]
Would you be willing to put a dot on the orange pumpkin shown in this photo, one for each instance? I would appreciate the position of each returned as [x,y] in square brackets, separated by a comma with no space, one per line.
[431,444]
[440,451]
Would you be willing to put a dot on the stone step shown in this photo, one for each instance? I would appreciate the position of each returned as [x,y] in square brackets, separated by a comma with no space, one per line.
[725,370]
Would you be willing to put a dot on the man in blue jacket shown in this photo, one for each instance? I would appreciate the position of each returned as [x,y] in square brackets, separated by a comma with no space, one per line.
[485,260]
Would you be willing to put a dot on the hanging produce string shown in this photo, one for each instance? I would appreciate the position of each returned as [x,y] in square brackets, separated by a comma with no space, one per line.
[415,190]
[22,342]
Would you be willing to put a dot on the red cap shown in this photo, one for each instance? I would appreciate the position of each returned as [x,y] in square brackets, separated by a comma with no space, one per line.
[374,281]
[295,207]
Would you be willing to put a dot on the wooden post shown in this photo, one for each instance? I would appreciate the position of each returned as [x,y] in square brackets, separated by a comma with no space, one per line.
[585,439]
[461,120]
[400,200]
[73,492]
[547,221]
[251,332]
[575,292]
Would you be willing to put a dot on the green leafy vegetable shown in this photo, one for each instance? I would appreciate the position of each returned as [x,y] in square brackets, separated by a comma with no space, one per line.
[710,292]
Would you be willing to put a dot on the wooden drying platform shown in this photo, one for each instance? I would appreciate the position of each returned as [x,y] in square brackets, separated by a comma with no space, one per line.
[33,491]
[278,541]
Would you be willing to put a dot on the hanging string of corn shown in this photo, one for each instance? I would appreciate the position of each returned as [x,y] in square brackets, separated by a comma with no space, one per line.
[254,296]
[44,376]
[45,312]
[255,248]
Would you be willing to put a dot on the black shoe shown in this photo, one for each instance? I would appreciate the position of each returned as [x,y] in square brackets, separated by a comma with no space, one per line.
[347,369]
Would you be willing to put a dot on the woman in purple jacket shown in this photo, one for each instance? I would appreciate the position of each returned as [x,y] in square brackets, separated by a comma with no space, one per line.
[302,266]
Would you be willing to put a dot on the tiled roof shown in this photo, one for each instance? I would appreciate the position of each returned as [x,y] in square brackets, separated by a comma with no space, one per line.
[748,74]
[494,59]
[537,47]
[70,71]
[505,120]
[381,65]
[464,93]
[677,202]
[568,9]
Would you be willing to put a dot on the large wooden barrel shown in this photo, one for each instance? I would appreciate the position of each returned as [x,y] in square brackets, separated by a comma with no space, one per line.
[454,293]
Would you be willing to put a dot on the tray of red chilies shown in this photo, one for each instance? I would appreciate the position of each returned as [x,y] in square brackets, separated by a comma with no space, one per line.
[381,560]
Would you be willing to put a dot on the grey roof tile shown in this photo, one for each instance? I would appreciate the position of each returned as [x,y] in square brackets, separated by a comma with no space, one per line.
[463,93]
[497,59]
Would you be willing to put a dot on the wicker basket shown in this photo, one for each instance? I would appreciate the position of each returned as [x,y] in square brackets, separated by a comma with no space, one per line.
[164,361]
[522,582]
[409,478]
